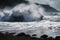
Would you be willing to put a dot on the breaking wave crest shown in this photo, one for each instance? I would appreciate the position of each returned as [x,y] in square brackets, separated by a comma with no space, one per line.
[29,12]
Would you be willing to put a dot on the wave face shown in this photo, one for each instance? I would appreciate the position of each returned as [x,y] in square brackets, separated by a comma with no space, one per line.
[30,12]
[52,3]
[30,19]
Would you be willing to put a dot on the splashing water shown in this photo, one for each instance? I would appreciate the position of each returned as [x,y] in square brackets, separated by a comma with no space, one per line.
[30,12]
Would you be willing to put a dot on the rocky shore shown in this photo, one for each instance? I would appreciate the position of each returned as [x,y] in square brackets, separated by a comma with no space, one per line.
[23,36]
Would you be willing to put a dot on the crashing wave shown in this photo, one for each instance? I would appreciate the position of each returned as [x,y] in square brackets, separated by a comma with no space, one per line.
[25,14]
[30,12]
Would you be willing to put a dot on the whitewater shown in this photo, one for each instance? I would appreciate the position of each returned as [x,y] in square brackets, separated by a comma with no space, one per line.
[33,24]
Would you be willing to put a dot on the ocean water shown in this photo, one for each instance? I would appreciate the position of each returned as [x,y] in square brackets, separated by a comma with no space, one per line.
[52,3]
[36,20]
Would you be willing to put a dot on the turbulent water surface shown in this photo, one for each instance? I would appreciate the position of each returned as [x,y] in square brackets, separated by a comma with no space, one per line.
[31,19]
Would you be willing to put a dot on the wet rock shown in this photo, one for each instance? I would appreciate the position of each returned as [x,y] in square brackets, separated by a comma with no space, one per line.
[57,38]
[50,38]
[21,34]
[44,36]
[34,35]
